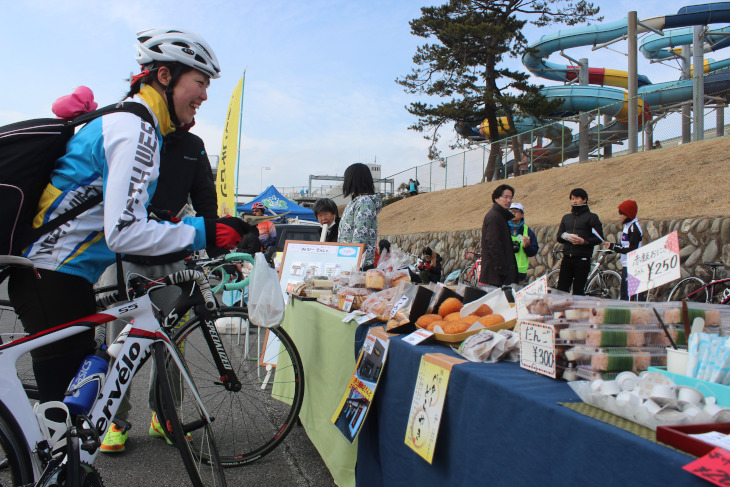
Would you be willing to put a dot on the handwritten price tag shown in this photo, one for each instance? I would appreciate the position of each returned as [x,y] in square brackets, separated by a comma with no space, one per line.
[654,264]
[713,467]
[537,347]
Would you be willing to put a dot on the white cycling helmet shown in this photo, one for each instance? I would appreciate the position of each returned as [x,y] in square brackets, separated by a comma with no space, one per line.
[177,45]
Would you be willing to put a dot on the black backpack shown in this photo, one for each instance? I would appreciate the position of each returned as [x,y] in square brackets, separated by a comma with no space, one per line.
[28,153]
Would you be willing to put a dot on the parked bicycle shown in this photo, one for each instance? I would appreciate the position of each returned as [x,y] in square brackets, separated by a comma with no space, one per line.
[601,283]
[205,373]
[470,273]
[695,289]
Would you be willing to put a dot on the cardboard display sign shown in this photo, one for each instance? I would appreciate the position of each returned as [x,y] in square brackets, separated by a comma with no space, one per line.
[537,347]
[653,264]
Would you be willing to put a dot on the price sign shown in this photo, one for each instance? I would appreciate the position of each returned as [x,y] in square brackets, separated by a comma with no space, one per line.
[538,286]
[713,467]
[537,347]
[654,264]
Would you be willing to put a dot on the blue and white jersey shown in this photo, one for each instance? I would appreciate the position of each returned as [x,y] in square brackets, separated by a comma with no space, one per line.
[117,155]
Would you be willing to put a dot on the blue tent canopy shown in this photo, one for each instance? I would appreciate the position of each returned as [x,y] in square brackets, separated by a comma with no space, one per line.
[278,204]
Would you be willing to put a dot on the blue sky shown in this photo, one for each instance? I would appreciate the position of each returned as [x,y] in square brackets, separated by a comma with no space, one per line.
[320,91]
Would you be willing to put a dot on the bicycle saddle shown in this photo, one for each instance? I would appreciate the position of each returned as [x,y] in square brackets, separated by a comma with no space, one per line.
[714,265]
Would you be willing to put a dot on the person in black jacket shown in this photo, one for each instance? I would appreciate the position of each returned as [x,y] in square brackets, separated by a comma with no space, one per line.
[184,172]
[631,237]
[579,231]
[327,214]
[499,267]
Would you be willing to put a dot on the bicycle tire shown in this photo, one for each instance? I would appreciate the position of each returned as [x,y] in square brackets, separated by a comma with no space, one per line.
[252,422]
[16,465]
[690,288]
[190,434]
[468,275]
[721,291]
[605,285]
[552,278]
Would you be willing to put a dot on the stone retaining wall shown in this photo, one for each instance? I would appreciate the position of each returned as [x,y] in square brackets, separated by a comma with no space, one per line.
[700,240]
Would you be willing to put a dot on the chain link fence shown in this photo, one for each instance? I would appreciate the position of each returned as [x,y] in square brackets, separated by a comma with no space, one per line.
[664,120]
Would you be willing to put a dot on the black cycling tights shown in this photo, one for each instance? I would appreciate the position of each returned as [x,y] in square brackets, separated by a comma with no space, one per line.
[52,300]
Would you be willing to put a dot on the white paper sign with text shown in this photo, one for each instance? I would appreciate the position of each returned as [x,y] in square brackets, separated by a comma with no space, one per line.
[537,347]
[653,264]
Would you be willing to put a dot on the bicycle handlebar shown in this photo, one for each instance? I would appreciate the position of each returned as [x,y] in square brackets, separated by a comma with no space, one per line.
[233,286]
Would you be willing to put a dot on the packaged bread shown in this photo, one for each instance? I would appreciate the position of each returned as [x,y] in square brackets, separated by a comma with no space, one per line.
[380,303]
[398,277]
[359,295]
[375,279]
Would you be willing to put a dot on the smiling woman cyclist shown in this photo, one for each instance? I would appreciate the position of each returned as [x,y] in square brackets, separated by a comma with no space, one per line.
[117,155]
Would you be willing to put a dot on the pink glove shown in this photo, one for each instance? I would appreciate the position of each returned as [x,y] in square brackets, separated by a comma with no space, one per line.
[71,106]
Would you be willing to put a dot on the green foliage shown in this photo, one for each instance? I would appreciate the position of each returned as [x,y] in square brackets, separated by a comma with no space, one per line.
[463,64]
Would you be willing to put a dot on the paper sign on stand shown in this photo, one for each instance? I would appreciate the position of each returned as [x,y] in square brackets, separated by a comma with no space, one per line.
[537,347]
[538,286]
[653,264]
[358,396]
[428,403]
[713,467]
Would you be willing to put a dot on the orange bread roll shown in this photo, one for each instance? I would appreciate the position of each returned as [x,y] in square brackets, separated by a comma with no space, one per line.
[449,306]
[456,327]
[455,316]
[471,319]
[425,320]
[483,310]
[433,324]
[491,320]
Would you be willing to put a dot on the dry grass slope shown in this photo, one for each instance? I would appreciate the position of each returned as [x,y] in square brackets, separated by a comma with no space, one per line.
[687,181]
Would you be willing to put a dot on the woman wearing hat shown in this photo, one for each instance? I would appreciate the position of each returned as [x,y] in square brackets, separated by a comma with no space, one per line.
[524,241]
[631,237]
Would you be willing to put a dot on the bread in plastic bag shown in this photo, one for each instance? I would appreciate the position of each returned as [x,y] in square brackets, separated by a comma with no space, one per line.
[266,304]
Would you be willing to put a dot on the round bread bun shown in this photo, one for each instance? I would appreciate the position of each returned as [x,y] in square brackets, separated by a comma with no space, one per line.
[456,327]
[483,310]
[471,319]
[433,324]
[455,316]
[425,320]
[449,306]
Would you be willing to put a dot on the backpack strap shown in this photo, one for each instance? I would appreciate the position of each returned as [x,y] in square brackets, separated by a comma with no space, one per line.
[132,107]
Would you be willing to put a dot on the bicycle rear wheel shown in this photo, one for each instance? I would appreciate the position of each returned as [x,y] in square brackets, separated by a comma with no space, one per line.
[469,276]
[15,466]
[605,284]
[251,422]
[552,278]
[190,433]
[690,288]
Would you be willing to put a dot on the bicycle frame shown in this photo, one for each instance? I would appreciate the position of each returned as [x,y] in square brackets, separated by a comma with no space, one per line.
[711,290]
[145,332]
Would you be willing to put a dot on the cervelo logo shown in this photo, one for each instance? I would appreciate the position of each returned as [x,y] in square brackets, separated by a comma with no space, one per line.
[124,368]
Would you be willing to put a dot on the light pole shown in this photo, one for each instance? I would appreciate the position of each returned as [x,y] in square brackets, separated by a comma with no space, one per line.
[262,176]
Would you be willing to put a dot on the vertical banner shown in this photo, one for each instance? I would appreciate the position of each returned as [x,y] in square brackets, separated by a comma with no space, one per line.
[228,162]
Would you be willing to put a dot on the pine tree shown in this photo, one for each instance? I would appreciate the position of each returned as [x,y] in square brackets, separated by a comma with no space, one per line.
[465,69]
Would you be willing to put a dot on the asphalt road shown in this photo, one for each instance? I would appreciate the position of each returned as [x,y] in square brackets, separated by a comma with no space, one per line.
[151,461]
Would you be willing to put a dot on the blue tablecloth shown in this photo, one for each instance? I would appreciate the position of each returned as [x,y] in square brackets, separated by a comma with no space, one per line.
[501,426]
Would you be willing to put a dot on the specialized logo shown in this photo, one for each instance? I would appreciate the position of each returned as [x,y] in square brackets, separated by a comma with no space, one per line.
[218,345]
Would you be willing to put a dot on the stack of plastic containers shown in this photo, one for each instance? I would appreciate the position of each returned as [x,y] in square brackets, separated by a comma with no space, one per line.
[598,339]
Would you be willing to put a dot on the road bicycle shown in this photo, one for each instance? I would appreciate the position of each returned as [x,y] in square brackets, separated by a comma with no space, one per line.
[600,283]
[470,273]
[695,289]
[32,455]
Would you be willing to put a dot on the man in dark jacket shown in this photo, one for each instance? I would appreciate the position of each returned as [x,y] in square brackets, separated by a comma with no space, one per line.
[499,267]
[579,231]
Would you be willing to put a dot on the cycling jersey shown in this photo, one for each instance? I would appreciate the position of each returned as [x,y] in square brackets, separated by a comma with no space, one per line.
[117,155]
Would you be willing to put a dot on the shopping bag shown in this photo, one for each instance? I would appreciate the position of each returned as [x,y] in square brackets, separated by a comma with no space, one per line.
[265,299]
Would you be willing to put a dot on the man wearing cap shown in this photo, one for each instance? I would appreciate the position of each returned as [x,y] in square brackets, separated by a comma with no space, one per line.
[524,241]
[631,237]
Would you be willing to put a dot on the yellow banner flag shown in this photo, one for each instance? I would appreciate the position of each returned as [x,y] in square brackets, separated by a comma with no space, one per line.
[228,163]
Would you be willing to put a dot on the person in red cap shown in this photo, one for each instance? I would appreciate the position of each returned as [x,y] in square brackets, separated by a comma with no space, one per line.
[631,237]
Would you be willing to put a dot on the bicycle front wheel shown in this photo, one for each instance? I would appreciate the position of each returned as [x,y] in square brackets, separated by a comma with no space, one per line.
[15,467]
[251,422]
[605,284]
[189,430]
[690,288]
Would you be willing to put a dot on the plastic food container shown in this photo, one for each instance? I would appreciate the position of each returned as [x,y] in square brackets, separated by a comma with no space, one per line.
[619,335]
[604,359]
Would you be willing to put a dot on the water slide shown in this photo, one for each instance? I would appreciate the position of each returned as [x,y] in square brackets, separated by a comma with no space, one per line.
[608,95]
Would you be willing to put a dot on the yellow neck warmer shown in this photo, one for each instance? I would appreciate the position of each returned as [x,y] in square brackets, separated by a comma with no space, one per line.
[158,105]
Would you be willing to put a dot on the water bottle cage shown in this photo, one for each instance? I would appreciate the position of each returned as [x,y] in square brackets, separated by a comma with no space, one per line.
[93,377]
